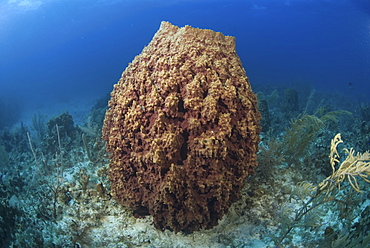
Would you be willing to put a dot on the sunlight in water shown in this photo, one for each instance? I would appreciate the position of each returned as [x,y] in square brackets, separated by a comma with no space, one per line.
[30,4]
[24,5]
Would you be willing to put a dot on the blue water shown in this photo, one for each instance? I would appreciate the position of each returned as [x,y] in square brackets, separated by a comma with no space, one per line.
[70,53]
[57,51]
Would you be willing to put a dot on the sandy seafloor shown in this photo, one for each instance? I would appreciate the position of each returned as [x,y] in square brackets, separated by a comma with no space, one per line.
[117,227]
[89,217]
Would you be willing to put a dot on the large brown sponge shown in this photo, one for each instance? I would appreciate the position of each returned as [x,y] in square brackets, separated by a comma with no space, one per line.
[182,129]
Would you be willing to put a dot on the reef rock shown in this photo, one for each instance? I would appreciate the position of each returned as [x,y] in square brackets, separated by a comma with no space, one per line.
[182,129]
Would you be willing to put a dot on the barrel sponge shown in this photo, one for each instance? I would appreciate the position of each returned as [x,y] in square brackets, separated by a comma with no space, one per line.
[182,129]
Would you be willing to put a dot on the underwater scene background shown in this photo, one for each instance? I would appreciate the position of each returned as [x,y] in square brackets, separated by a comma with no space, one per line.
[307,61]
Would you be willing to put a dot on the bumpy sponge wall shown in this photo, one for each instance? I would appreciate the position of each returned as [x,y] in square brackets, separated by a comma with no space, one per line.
[182,129]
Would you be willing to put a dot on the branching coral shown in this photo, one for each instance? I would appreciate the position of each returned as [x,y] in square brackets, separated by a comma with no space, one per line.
[311,197]
[354,165]
[305,128]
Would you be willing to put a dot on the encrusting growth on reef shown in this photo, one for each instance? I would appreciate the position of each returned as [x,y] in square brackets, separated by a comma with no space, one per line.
[182,129]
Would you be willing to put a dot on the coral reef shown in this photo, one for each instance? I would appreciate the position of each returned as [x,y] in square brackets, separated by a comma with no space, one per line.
[182,129]
[311,197]
[264,110]
[68,133]
[290,102]
[305,128]
[62,199]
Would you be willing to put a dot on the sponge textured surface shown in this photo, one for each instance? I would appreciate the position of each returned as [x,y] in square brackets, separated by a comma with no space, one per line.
[182,129]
